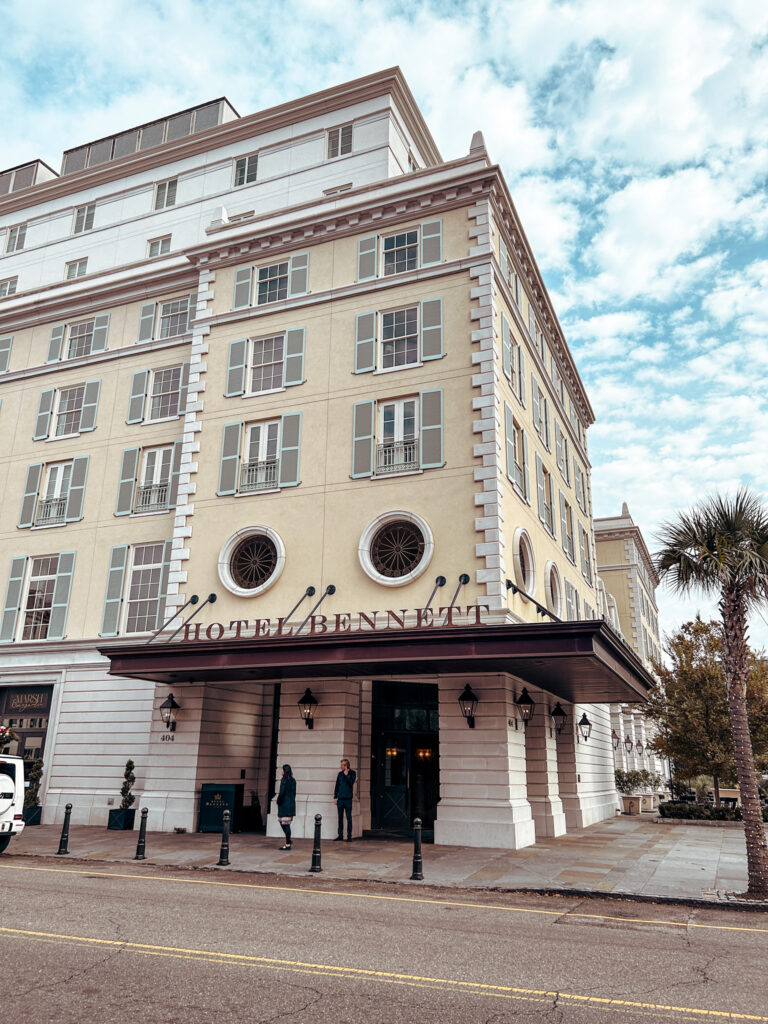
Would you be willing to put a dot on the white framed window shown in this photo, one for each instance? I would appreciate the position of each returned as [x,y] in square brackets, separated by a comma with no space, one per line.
[513,360]
[142,604]
[37,597]
[540,413]
[76,268]
[563,452]
[517,454]
[267,360]
[68,410]
[396,548]
[272,283]
[558,383]
[524,561]
[261,457]
[37,602]
[154,482]
[165,194]
[80,339]
[158,246]
[567,528]
[399,344]
[84,218]
[552,589]
[397,450]
[16,238]
[580,485]
[339,141]
[8,287]
[164,393]
[398,435]
[256,366]
[71,341]
[251,561]
[52,503]
[245,169]
[275,282]
[585,552]
[546,491]
[173,317]
[572,602]
[396,338]
[400,252]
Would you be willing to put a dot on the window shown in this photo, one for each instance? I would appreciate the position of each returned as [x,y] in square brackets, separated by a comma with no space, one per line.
[563,452]
[8,287]
[586,558]
[566,528]
[16,237]
[397,435]
[537,335]
[245,169]
[558,383]
[258,365]
[339,141]
[385,255]
[165,194]
[540,412]
[6,344]
[336,190]
[59,499]
[137,583]
[546,491]
[71,341]
[80,339]
[174,316]
[509,274]
[169,319]
[52,505]
[513,360]
[517,454]
[524,562]
[396,548]
[397,338]
[572,602]
[149,479]
[552,592]
[37,597]
[251,561]
[580,486]
[260,456]
[84,218]
[77,268]
[164,393]
[158,246]
[274,283]
[63,412]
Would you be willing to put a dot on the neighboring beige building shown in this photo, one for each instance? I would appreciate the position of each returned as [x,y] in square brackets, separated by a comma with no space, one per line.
[626,571]
[297,351]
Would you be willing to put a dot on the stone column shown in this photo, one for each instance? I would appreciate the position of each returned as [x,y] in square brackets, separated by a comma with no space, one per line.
[542,772]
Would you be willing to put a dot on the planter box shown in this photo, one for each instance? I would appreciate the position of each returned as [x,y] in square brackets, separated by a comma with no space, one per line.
[32,815]
[122,818]
[632,804]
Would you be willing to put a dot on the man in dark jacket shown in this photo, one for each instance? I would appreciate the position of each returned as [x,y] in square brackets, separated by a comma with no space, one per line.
[342,797]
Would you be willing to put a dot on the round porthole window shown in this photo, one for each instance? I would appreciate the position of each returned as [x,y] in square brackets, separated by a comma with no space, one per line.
[525,566]
[251,561]
[396,548]
[553,588]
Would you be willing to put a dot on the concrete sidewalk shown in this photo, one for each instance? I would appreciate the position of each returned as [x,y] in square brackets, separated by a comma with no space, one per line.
[621,856]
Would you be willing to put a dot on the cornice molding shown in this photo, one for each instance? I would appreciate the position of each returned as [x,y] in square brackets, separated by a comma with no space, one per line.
[622,533]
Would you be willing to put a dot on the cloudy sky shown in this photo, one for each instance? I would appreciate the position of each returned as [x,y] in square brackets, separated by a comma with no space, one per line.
[632,135]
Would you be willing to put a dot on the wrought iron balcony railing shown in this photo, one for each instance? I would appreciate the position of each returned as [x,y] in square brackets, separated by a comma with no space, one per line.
[258,476]
[397,456]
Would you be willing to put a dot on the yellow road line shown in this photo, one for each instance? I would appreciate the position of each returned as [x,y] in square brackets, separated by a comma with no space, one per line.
[395,899]
[363,973]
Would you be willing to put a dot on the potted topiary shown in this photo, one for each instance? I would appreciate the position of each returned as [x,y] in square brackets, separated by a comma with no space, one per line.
[122,817]
[32,809]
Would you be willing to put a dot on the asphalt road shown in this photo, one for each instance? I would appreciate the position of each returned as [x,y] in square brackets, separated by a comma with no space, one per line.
[109,944]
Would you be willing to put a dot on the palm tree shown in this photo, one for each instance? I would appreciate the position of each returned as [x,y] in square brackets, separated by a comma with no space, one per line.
[721,547]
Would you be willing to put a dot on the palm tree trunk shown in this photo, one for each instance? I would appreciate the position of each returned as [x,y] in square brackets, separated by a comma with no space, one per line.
[736,674]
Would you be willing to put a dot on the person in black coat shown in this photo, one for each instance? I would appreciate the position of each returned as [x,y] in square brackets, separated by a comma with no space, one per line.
[286,804]
[342,797]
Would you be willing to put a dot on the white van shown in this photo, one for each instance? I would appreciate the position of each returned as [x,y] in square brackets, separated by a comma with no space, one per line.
[11,798]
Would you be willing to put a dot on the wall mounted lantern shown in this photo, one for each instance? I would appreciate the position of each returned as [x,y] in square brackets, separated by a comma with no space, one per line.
[639,748]
[468,703]
[628,745]
[585,727]
[526,706]
[616,739]
[307,705]
[168,710]
[558,717]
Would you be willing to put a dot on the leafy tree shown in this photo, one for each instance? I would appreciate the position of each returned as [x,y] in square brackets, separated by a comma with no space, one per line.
[721,547]
[689,707]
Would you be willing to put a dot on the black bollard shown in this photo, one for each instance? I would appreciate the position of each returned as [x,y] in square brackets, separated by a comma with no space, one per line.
[418,874]
[316,865]
[141,846]
[64,841]
[223,860]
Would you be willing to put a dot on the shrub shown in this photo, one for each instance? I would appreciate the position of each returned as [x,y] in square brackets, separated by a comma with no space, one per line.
[125,791]
[697,812]
[32,794]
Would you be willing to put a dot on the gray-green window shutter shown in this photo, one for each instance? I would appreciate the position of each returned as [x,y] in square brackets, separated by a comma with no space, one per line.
[184,388]
[100,331]
[431,433]
[243,287]
[55,343]
[298,274]
[61,591]
[230,458]
[138,397]
[564,524]
[191,309]
[509,426]
[12,600]
[365,342]
[163,593]
[113,598]
[31,488]
[147,321]
[366,258]
[431,242]
[559,448]
[238,355]
[431,329]
[128,469]
[536,404]
[521,376]
[506,348]
[290,442]
[362,439]
[545,420]
[582,550]
[504,259]
[76,494]
[293,362]
[526,478]
[540,484]
[173,488]
[5,353]
[90,405]
[44,409]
